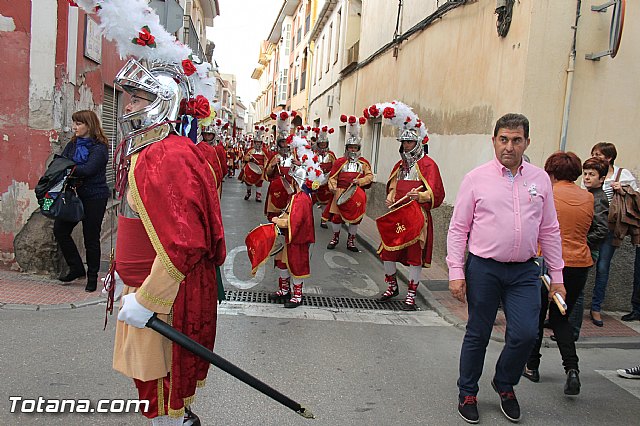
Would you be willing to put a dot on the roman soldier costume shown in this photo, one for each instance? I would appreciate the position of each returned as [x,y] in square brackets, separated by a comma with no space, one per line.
[352,172]
[255,159]
[296,221]
[326,158]
[170,237]
[207,145]
[413,189]
[277,171]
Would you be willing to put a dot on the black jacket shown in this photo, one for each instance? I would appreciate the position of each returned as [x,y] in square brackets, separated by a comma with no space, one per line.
[599,226]
[91,177]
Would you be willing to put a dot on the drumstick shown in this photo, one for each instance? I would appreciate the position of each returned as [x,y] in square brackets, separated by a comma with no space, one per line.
[402,199]
[557,297]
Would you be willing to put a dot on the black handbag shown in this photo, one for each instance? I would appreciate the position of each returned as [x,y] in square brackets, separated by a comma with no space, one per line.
[67,207]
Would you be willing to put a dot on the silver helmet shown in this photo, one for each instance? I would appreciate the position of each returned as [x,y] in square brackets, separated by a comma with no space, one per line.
[164,86]
[352,141]
[283,147]
[409,158]
[298,173]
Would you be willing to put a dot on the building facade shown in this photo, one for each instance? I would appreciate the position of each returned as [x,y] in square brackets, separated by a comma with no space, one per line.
[56,63]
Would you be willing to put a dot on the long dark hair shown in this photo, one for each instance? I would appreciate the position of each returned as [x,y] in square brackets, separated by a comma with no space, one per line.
[93,123]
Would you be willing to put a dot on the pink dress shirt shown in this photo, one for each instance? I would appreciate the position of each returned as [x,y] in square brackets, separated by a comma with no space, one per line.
[505,218]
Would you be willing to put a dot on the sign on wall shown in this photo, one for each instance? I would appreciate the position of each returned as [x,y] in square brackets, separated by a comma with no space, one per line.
[92,40]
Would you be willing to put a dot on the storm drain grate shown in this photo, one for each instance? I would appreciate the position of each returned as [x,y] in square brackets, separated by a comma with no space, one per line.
[318,301]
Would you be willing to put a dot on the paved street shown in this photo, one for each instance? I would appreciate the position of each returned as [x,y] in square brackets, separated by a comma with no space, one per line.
[349,366]
[334,273]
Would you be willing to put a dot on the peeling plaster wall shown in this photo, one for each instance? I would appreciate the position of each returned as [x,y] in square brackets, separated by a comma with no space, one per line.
[23,149]
[37,98]
[42,61]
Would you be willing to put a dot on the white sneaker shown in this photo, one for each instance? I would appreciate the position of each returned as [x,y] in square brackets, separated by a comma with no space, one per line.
[630,373]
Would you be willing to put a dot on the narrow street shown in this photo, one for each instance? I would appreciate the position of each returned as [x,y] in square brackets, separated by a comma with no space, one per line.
[348,366]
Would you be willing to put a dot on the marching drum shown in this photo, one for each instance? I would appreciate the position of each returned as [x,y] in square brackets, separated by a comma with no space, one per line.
[352,204]
[401,227]
[263,241]
[252,173]
[279,189]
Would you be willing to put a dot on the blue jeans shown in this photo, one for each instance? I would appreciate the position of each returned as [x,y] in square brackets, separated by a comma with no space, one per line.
[635,297]
[517,286]
[603,265]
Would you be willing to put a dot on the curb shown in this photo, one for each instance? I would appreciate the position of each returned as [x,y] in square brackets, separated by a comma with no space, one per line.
[58,307]
[427,297]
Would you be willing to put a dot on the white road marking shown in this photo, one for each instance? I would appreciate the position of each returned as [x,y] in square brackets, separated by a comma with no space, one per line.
[630,385]
[230,276]
[370,289]
[425,318]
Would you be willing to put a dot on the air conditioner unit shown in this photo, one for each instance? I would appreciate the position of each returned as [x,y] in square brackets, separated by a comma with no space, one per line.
[329,101]
[352,53]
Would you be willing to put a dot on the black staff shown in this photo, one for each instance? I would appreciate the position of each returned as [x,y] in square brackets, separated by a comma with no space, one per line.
[196,348]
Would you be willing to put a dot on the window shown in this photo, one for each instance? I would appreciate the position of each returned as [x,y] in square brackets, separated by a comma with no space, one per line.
[307,19]
[287,38]
[314,69]
[303,72]
[338,24]
[375,147]
[282,87]
[320,57]
[329,47]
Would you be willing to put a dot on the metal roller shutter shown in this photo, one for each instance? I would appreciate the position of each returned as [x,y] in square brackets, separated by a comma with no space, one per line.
[110,126]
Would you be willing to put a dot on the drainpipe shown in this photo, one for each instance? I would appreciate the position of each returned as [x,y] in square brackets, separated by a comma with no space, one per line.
[311,50]
[569,87]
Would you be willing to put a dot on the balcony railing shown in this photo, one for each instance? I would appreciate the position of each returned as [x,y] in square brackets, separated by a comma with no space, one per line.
[191,38]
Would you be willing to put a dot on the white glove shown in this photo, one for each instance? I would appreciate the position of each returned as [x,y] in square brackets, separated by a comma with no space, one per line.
[133,313]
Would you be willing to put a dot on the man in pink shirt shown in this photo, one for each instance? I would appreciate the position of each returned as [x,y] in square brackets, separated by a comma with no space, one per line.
[504,211]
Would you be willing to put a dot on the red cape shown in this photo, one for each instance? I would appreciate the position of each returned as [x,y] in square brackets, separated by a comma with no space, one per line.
[211,156]
[222,157]
[181,215]
[301,229]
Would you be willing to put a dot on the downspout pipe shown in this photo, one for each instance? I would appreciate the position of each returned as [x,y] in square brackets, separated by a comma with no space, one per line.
[571,68]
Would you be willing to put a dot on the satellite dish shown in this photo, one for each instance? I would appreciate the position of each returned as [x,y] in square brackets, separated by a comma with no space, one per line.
[615,30]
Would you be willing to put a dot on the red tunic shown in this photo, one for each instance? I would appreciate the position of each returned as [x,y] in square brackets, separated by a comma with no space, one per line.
[211,156]
[299,234]
[429,174]
[331,211]
[182,220]
[222,158]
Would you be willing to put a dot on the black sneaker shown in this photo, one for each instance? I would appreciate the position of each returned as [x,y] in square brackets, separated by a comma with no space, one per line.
[190,419]
[532,374]
[508,404]
[633,316]
[468,408]
[572,385]
[630,373]
[72,275]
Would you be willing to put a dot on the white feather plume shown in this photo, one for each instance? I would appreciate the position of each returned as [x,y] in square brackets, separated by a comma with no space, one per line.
[122,20]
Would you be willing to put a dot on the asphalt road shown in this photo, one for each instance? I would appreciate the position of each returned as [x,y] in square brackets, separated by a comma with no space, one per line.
[349,367]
